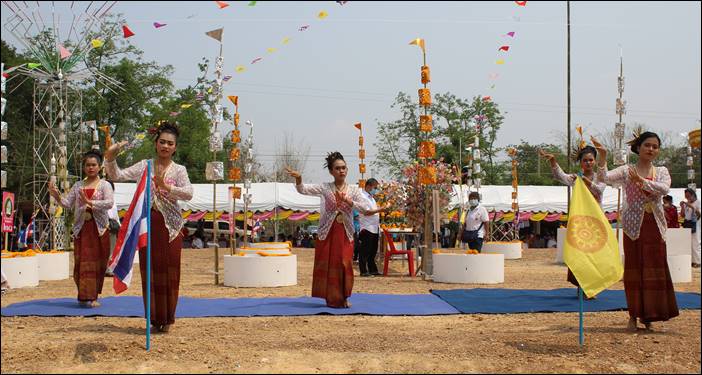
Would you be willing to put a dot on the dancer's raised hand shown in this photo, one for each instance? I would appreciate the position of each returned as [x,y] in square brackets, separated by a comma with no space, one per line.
[601,152]
[114,150]
[293,173]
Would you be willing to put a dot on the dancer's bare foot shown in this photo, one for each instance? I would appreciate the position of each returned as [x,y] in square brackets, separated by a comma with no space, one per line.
[347,304]
[94,304]
[84,303]
[648,325]
[631,327]
[165,328]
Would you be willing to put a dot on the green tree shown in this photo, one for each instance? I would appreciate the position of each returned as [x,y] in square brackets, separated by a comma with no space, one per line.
[398,140]
[532,169]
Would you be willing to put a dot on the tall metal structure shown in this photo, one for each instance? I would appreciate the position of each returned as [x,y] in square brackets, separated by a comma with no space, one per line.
[59,75]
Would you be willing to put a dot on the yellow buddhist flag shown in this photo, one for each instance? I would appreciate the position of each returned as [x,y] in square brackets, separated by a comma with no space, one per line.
[500,62]
[286,40]
[97,43]
[590,249]
[322,15]
[239,68]
[186,105]
[270,50]
[419,42]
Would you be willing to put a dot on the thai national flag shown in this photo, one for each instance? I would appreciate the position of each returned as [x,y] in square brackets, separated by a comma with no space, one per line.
[132,236]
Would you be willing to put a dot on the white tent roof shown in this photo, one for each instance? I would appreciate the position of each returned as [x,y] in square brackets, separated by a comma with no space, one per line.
[267,195]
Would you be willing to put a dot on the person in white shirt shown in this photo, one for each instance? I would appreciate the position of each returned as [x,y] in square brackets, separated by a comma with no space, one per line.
[369,223]
[477,224]
[690,209]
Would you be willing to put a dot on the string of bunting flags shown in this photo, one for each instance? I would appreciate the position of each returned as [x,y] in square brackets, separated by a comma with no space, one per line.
[502,51]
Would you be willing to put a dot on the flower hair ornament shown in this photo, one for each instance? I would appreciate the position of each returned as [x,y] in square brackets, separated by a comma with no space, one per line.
[636,134]
[580,145]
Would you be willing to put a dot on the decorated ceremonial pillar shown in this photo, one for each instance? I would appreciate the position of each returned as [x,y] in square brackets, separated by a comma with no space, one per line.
[234,173]
[214,170]
[621,154]
[512,152]
[426,152]
[361,156]
[248,169]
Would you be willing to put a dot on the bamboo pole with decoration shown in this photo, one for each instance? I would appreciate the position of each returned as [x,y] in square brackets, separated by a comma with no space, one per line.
[234,173]
[248,167]
[426,151]
[621,156]
[361,156]
[214,170]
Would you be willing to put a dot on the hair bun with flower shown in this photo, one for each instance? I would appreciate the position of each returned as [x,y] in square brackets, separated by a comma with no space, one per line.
[164,126]
[575,151]
[636,134]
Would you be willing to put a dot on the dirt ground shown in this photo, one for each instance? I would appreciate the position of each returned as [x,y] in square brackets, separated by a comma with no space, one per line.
[483,343]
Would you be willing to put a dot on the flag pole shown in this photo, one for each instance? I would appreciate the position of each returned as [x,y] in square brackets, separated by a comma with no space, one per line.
[580,298]
[148,255]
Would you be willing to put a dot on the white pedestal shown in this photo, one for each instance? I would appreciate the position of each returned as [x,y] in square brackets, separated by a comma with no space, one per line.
[678,241]
[258,271]
[269,245]
[511,250]
[21,271]
[680,268]
[53,266]
[469,269]
[560,239]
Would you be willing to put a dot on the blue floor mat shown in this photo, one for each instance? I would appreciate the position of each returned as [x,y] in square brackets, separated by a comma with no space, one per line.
[504,301]
[188,307]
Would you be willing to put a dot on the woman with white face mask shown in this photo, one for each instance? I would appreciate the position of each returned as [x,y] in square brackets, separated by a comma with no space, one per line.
[476,226]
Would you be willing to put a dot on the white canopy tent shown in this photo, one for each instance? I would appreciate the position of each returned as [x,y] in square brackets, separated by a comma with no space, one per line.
[268,195]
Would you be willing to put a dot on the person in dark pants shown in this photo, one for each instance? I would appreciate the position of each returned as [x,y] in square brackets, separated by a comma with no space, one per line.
[369,221]
[477,224]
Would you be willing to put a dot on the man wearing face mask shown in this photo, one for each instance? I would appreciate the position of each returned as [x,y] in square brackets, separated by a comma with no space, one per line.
[369,221]
[476,226]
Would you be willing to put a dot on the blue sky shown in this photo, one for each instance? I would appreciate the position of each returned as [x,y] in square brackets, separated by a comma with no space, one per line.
[348,67]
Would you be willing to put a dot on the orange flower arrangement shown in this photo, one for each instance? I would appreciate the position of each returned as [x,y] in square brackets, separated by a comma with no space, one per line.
[425,123]
[427,175]
[427,149]
[424,97]
[234,154]
[236,136]
[235,174]
[236,192]
[426,78]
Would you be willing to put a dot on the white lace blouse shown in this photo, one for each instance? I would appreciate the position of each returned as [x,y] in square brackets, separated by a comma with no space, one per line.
[329,209]
[176,175]
[102,199]
[639,199]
